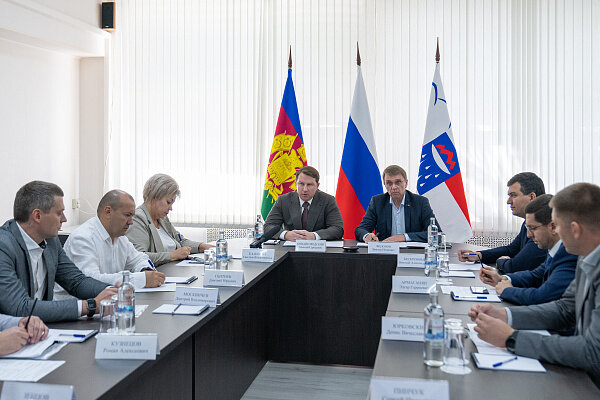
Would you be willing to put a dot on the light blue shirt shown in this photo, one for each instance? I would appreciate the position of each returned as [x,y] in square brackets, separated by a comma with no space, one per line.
[398,223]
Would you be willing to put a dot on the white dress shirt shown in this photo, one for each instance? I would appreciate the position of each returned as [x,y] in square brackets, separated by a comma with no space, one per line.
[90,248]
[317,237]
[38,267]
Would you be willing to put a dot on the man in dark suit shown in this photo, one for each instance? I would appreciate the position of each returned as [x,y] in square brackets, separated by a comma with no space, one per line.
[548,281]
[396,216]
[576,212]
[32,259]
[521,254]
[307,213]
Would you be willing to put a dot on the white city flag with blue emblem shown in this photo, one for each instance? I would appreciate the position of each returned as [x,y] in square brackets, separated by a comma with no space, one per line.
[440,179]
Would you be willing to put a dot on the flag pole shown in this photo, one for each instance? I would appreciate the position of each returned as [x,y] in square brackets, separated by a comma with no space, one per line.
[357,55]
[290,59]
[437,51]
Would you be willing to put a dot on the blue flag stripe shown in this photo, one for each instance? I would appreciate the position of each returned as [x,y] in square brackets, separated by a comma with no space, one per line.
[290,106]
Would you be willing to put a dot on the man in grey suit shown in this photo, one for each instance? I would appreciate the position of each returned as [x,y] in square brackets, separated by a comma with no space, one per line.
[32,259]
[307,213]
[576,213]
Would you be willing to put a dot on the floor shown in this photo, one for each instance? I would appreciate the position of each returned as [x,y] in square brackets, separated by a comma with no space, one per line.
[283,381]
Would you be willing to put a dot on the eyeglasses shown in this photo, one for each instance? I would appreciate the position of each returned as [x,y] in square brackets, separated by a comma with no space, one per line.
[533,228]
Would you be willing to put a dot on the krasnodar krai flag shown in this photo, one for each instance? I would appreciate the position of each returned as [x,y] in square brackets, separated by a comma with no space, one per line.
[359,178]
[287,152]
[440,179]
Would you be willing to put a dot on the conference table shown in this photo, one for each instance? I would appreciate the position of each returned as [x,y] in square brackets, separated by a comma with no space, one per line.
[322,308]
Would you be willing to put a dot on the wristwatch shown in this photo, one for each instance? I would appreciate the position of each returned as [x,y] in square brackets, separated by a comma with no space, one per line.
[510,342]
[91,305]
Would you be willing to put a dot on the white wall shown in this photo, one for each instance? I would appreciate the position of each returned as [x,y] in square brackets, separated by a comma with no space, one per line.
[87,11]
[39,110]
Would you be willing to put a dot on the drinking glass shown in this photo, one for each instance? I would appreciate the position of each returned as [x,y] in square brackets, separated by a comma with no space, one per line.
[455,359]
[107,316]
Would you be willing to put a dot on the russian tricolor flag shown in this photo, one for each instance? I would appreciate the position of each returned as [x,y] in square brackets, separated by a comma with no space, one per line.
[359,178]
[440,179]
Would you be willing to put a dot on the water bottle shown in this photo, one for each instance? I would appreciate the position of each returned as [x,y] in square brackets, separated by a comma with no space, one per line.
[432,233]
[126,306]
[259,227]
[443,256]
[431,262]
[222,255]
[433,351]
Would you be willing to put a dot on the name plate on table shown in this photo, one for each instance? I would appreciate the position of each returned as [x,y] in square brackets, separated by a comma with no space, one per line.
[411,260]
[31,391]
[414,389]
[314,246]
[412,284]
[195,296]
[137,346]
[217,277]
[258,255]
[409,329]
[383,247]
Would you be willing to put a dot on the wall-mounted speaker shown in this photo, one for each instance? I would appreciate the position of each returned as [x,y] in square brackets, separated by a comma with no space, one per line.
[108,16]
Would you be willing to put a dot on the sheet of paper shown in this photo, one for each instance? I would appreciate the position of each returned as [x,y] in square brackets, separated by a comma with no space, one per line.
[486,348]
[416,245]
[26,370]
[487,361]
[332,243]
[34,350]
[362,244]
[271,242]
[139,309]
[72,335]
[458,274]
[167,287]
[464,267]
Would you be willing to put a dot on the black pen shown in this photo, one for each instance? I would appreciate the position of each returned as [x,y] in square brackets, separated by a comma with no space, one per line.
[175,309]
[30,313]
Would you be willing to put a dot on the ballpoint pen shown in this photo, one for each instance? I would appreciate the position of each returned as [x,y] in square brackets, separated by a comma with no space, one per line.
[496,365]
[175,309]
[77,335]
[152,267]
[30,313]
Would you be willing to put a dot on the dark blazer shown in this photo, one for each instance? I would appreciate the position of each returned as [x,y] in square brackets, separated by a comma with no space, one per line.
[16,278]
[523,252]
[417,214]
[545,283]
[579,309]
[324,216]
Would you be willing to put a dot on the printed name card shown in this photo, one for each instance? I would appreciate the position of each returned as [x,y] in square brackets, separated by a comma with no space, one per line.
[412,284]
[258,255]
[31,391]
[217,277]
[137,346]
[195,296]
[383,247]
[409,329]
[414,389]
[314,246]
[411,260]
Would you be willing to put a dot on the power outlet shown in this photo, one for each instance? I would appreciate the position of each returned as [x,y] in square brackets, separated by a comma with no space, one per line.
[75,204]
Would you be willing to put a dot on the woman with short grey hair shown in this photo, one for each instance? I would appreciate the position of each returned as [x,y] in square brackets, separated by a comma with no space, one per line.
[152,232]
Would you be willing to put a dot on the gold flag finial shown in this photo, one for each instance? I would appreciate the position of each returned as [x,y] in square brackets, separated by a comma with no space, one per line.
[357,55]
[437,51]
[290,59]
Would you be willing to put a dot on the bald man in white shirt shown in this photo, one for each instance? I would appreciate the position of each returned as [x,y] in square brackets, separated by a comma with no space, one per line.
[99,248]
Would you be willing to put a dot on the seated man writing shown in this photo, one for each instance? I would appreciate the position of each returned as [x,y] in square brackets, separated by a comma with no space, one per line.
[100,249]
[548,281]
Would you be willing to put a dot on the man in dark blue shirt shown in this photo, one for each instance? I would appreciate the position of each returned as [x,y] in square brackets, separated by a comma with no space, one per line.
[548,281]
[522,253]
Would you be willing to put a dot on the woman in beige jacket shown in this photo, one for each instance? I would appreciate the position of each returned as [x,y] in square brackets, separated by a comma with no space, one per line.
[152,232]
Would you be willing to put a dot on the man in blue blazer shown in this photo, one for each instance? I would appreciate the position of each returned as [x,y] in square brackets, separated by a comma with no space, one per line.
[32,259]
[548,281]
[396,216]
[521,254]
